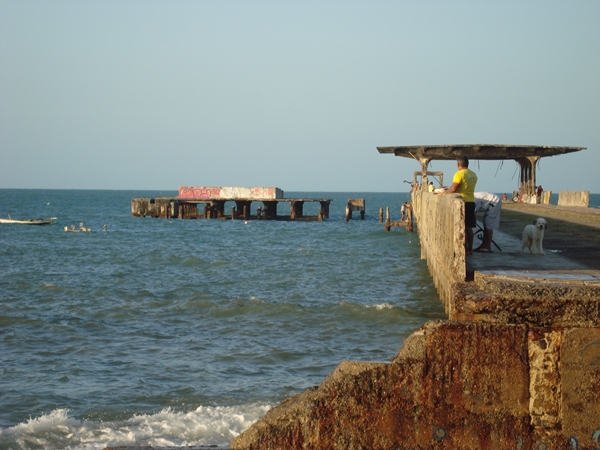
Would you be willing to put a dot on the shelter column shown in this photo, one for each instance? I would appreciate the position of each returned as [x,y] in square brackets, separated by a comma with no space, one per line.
[527,178]
[424,163]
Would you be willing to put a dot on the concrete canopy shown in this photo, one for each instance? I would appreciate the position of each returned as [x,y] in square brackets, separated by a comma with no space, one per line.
[526,156]
[476,151]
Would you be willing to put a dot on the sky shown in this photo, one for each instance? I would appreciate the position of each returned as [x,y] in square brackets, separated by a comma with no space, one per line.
[296,95]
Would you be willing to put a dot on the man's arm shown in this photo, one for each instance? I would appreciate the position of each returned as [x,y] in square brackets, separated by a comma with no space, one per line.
[451,189]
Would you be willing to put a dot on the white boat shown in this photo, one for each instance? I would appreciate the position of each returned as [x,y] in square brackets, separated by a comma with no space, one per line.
[46,221]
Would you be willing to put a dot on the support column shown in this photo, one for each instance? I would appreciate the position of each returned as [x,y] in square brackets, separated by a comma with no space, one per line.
[243,208]
[296,209]
[424,163]
[324,208]
[270,210]
[219,207]
[527,176]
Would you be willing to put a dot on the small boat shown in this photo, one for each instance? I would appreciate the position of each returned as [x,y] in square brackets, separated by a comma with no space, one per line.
[47,221]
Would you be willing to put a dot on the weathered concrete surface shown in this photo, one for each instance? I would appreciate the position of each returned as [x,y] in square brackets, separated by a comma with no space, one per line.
[153,207]
[574,198]
[440,223]
[453,385]
[518,367]
[544,298]
[187,208]
[476,151]
[580,383]
[231,193]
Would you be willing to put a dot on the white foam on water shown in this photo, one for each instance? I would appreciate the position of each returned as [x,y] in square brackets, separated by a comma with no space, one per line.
[206,425]
[381,306]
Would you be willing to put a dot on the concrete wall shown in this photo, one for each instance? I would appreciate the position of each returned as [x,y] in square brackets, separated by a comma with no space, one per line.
[574,198]
[440,224]
[453,385]
[159,207]
[517,366]
[230,193]
[546,197]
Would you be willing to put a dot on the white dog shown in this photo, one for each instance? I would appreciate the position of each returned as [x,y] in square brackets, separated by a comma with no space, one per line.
[533,236]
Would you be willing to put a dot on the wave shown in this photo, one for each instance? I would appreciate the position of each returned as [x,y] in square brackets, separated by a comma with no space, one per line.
[381,306]
[206,425]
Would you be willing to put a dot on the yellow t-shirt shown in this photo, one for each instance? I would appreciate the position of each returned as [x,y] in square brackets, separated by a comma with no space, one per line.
[466,179]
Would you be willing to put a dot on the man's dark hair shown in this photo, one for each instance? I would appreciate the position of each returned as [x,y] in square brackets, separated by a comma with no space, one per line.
[463,161]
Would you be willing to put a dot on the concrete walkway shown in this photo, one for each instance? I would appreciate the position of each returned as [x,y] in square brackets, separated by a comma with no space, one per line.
[582,216]
[571,242]
[511,258]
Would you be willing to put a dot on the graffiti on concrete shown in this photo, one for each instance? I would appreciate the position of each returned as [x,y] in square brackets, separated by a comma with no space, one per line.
[230,193]
[199,192]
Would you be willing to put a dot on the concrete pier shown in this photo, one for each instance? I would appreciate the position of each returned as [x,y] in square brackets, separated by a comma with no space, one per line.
[355,204]
[210,203]
[515,366]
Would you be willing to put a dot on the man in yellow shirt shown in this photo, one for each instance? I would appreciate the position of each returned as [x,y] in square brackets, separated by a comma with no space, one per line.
[463,183]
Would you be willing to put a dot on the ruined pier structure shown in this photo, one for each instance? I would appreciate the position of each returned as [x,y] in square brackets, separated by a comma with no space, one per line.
[515,366]
[214,199]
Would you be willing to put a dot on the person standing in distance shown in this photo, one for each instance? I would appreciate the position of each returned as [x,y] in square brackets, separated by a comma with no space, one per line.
[490,204]
[403,212]
[463,183]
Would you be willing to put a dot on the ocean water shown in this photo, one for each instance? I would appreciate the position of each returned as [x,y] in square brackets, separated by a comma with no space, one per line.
[185,332]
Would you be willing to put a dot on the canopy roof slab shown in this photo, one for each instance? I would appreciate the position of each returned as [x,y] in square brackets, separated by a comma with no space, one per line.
[526,155]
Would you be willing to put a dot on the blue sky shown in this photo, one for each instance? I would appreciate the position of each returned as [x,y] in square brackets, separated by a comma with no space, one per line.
[294,94]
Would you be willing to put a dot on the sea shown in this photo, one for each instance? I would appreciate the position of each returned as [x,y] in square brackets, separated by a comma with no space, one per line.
[166,332]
